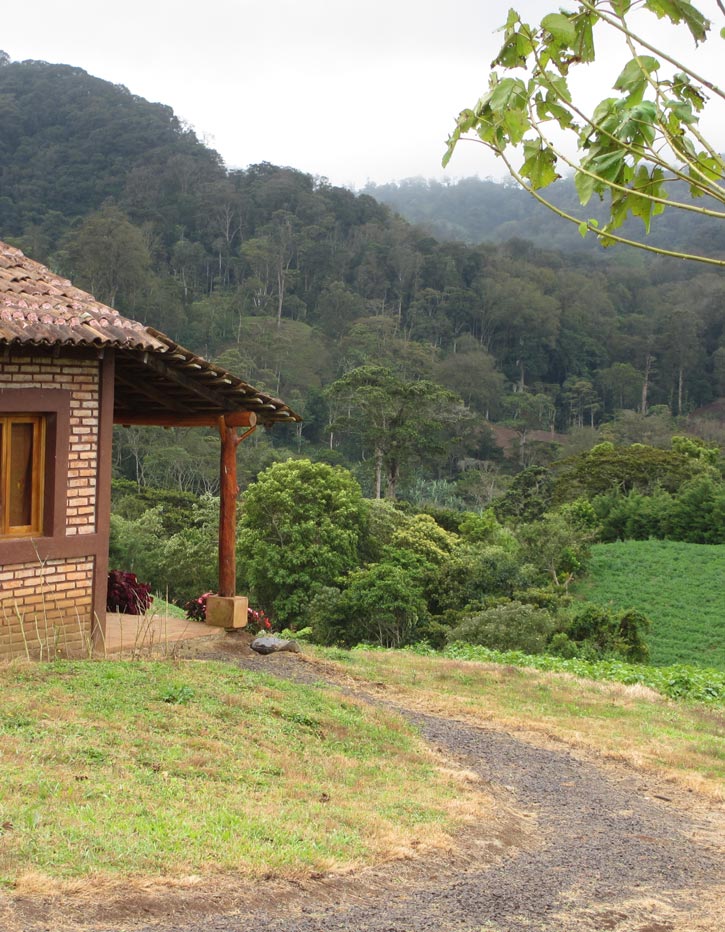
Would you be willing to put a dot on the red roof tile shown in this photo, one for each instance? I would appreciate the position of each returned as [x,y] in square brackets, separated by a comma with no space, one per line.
[41,308]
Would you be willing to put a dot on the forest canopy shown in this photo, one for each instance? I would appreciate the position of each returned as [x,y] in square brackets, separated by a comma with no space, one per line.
[325,296]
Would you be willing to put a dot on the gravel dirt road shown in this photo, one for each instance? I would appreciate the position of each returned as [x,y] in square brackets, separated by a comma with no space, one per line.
[576,844]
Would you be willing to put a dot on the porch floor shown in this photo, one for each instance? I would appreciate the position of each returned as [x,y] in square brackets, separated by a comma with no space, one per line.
[134,633]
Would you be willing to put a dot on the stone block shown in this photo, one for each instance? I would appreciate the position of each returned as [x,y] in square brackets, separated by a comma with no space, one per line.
[227,611]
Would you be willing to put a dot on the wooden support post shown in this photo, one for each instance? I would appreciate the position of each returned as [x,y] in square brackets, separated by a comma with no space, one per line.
[228,491]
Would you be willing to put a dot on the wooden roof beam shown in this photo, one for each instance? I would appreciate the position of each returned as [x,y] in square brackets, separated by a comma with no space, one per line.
[157,364]
[148,391]
[231,419]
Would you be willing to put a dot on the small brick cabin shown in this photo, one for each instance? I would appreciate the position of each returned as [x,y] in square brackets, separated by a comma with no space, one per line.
[70,368]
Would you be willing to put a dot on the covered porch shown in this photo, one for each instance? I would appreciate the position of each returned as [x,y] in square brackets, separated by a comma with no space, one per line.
[131,635]
[166,385]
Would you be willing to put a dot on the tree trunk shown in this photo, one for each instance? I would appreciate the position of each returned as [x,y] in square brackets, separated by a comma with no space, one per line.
[645,384]
[393,474]
[378,473]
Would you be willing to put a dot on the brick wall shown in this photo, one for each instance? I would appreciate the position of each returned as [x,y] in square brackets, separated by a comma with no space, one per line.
[46,609]
[48,603]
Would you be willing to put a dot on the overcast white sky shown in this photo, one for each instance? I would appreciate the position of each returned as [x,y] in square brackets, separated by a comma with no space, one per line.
[351,90]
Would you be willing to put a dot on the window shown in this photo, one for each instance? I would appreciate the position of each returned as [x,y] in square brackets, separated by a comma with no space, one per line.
[22,458]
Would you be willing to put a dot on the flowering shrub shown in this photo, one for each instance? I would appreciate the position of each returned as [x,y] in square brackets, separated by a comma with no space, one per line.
[256,619]
[126,594]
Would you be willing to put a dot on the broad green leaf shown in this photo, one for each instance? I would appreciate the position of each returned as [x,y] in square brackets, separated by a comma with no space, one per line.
[603,109]
[466,120]
[683,111]
[516,123]
[583,228]
[510,55]
[638,124]
[678,11]
[512,19]
[684,89]
[633,78]
[555,84]
[585,187]
[712,168]
[560,27]
[509,93]
[584,44]
[539,165]
[608,166]
[634,69]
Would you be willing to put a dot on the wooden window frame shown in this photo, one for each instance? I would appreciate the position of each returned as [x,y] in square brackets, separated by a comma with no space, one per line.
[37,473]
[54,406]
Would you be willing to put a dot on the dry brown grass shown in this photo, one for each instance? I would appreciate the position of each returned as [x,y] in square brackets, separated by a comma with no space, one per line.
[612,721]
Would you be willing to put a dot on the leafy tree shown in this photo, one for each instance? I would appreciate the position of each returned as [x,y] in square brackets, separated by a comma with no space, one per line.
[631,145]
[400,421]
[475,573]
[529,412]
[598,632]
[302,528]
[608,468]
[471,372]
[381,604]
[528,496]
[108,255]
[558,545]
[512,626]
[423,536]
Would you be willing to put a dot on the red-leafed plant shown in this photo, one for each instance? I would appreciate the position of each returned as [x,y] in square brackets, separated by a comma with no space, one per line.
[126,594]
[196,608]
[257,621]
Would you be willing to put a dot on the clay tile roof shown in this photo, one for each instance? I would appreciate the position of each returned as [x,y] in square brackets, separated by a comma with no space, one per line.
[39,308]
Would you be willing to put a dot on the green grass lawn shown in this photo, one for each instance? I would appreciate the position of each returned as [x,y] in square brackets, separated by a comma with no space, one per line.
[117,768]
[680,587]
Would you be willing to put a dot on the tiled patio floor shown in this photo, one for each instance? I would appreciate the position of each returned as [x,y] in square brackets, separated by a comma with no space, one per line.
[134,633]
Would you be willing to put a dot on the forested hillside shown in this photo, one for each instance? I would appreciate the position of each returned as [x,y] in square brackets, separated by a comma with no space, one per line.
[400,350]
[477,211]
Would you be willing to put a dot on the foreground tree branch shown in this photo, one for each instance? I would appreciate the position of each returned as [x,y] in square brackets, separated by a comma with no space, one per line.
[631,146]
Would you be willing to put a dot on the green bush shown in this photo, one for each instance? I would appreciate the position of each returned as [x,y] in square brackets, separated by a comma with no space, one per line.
[384,518]
[484,528]
[638,467]
[136,544]
[423,537]
[512,626]
[172,506]
[694,514]
[474,572]
[380,605]
[528,497]
[677,682]
[599,633]
[190,558]
[303,526]
[557,545]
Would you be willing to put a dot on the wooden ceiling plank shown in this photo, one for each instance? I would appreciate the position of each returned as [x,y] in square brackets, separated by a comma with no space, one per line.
[145,390]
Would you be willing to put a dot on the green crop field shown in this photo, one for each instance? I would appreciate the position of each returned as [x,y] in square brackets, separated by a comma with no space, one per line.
[680,587]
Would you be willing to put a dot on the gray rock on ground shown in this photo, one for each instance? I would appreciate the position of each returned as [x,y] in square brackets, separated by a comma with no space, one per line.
[271,645]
